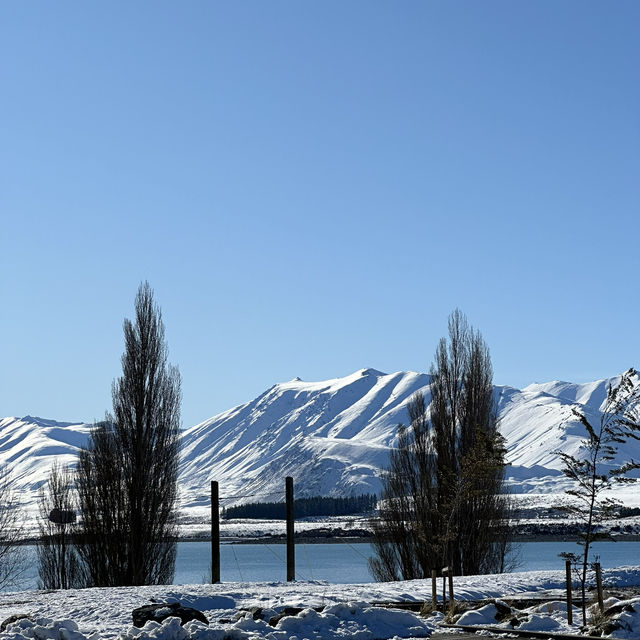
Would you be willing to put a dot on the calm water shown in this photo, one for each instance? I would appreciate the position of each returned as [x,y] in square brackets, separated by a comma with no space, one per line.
[341,562]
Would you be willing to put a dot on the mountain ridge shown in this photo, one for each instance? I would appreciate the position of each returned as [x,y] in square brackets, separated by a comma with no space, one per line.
[333,436]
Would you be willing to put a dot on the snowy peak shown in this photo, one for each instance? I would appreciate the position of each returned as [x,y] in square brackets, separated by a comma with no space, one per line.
[588,394]
[591,393]
[332,436]
[371,372]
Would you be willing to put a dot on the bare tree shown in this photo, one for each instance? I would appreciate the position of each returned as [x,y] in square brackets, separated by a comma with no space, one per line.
[470,453]
[127,476]
[596,471]
[12,557]
[408,513]
[59,565]
[443,501]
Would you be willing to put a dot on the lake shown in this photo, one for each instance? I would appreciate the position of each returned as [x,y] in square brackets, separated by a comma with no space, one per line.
[343,562]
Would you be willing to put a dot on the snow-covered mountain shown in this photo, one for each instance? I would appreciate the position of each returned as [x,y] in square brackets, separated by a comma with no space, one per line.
[28,447]
[332,436]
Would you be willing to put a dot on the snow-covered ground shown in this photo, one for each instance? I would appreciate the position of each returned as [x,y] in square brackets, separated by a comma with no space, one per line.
[242,611]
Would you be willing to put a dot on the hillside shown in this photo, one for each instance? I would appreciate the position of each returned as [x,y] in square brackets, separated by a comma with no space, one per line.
[332,436]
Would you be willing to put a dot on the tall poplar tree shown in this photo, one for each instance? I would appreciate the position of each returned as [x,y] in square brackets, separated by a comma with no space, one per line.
[442,502]
[127,476]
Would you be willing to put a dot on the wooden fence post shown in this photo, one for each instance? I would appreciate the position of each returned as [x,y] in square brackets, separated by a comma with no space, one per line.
[599,585]
[215,533]
[451,601]
[444,588]
[291,549]
[567,565]
[434,589]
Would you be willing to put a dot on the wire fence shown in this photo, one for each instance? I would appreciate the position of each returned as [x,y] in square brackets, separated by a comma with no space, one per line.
[292,570]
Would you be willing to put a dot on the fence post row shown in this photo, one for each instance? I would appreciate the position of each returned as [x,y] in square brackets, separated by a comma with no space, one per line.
[446,573]
[215,532]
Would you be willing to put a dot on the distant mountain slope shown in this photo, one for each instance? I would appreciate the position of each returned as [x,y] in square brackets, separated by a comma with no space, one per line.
[29,445]
[332,436]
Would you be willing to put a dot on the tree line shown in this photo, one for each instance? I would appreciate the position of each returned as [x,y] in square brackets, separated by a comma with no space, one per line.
[305,507]
[112,521]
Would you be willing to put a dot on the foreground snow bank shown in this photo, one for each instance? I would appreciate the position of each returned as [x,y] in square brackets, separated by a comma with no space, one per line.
[621,618]
[44,629]
[359,621]
[105,614]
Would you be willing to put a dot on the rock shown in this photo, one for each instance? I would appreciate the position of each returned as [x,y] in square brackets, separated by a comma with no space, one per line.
[162,610]
[14,618]
[617,609]
[503,610]
[286,612]
[255,612]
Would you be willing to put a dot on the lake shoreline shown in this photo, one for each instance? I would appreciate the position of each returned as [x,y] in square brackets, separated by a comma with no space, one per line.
[362,539]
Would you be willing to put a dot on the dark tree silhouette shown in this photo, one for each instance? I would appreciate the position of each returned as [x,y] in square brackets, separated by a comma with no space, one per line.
[408,512]
[443,502]
[470,452]
[59,565]
[127,476]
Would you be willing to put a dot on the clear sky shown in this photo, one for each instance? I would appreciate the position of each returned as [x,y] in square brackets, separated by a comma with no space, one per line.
[312,187]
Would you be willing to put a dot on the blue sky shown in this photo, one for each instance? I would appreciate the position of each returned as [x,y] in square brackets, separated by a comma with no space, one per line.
[312,188]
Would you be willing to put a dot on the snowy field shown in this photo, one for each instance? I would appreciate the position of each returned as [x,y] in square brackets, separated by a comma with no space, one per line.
[242,611]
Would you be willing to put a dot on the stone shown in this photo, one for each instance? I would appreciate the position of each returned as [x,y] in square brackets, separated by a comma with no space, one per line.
[285,613]
[617,609]
[256,613]
[162,610]
[14,618]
